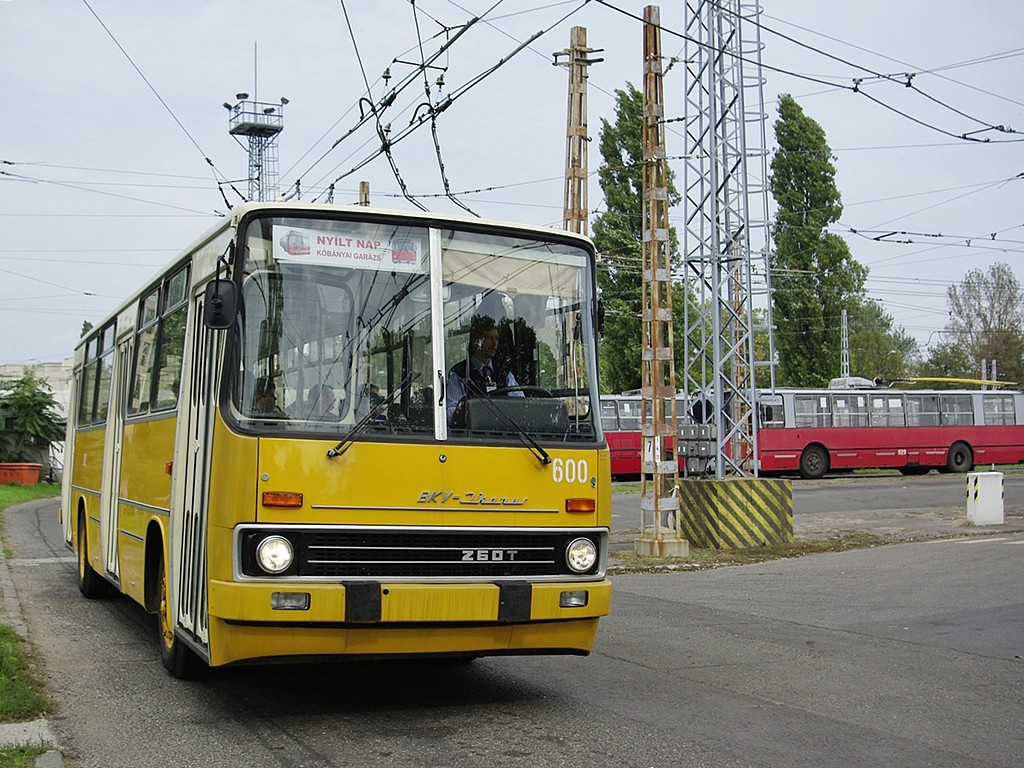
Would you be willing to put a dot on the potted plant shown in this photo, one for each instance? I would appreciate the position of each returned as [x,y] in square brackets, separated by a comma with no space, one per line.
[28,424]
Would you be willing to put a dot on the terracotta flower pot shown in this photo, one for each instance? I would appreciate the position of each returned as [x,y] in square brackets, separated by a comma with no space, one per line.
[19,473]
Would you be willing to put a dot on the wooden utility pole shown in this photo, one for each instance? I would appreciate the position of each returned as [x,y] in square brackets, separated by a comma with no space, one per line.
[575,206]
[660,461]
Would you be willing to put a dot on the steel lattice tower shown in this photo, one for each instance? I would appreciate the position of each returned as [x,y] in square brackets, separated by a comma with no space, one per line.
[726,237]
[260,123]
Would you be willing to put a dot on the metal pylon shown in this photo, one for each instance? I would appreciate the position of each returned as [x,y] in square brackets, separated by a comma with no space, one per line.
[260,122]
[726,238]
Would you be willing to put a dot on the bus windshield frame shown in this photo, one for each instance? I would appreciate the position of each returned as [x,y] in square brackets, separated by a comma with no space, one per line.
[352,327]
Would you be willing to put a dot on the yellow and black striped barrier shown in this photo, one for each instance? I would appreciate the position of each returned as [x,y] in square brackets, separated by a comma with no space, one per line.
[736,513]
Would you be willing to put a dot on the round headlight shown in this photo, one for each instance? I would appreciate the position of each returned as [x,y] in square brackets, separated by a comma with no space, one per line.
[580,555]
[275,554]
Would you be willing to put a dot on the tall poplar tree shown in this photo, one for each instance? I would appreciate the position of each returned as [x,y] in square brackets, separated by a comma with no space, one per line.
[618,236]
[814,275]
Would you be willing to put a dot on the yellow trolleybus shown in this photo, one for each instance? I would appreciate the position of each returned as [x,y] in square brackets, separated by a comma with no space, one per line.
[282,447]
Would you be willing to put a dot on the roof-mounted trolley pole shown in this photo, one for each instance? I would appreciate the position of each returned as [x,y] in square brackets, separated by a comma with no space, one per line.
[659,503]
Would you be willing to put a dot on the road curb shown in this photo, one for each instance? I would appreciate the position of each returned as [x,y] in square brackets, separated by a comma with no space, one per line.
[34,733]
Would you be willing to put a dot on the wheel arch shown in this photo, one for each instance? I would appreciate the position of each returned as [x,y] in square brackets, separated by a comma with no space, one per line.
[81,522]
[155,552]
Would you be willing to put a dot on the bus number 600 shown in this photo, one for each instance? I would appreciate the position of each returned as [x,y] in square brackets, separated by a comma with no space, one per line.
[570,471]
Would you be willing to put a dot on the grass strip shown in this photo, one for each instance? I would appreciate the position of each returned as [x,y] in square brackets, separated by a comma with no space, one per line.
[22,697]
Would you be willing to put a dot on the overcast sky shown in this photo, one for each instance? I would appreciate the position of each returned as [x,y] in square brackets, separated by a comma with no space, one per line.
[111,109]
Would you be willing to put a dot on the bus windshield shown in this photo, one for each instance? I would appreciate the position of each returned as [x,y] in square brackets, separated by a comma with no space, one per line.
[375,329]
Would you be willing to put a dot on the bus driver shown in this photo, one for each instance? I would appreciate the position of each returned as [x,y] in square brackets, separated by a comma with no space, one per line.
[485,373]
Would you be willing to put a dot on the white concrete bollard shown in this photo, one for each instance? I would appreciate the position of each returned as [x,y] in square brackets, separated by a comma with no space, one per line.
[985,498]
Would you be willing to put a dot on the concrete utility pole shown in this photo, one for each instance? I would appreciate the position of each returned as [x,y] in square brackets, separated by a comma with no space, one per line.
[660,465]
[575,208]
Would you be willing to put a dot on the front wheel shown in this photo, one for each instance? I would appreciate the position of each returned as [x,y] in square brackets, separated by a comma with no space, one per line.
[90,583]
[960,458]
[813,463]
[179,660]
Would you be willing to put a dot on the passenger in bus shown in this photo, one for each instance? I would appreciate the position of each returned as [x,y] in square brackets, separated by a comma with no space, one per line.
[320,402]
[264,402]
[480,374]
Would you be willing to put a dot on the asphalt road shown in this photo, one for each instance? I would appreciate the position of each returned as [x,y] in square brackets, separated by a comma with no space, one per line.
[902,655]
[889,505]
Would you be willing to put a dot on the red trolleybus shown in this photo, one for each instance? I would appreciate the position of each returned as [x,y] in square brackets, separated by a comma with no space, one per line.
[620,420]
[813,431]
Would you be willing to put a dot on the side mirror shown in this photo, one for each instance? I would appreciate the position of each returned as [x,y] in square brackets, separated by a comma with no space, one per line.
[600,316]
[221,305]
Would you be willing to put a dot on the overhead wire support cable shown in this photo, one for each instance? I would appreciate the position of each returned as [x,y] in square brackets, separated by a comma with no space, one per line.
[444,104]
[159,98]
[821,81]
[377,107]
[433,116]
[905,78]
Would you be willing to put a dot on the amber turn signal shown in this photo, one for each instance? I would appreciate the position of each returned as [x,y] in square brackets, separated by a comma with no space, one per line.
[282,499]
[585,506]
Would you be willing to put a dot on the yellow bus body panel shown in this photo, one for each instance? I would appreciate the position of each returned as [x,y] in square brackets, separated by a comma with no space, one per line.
[263,641]
[380,485]
[145,495]
[449,485]
[87,471]
[416,619]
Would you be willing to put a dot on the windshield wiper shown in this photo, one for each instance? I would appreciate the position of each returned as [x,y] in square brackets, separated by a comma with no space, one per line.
[370,417]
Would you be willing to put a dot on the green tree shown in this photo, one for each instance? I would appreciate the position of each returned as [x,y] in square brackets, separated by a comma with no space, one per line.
[31,411]
[877,349]
[986,322]
[618,236]
[947,360]
[814,276]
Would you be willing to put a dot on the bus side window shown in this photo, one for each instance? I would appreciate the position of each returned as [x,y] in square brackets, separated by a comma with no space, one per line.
[609,419]
[812,410]
[772,414]
[887,411]
[922,410]
[957,410]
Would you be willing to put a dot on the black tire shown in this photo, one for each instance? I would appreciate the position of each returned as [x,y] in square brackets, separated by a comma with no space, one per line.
[179,660]
[960,458]
[813,462]
[90,583]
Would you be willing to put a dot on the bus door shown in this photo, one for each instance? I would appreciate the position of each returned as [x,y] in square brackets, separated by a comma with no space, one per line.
[193,448]
[110,493]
